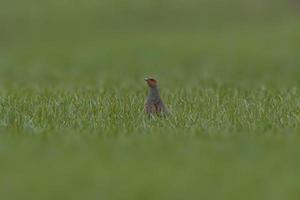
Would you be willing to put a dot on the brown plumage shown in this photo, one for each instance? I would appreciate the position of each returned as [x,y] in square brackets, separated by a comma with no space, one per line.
[154,104]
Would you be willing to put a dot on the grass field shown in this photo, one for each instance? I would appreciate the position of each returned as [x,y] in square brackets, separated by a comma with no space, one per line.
[72,94]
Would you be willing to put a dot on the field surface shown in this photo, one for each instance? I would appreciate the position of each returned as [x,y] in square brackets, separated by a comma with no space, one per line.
[72,95]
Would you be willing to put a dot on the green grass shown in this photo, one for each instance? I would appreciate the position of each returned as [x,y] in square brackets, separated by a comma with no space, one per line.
[72,95]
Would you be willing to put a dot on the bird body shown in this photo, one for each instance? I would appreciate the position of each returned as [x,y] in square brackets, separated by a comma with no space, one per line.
[154,104]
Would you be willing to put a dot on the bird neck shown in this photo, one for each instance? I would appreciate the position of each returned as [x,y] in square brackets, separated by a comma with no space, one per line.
[154,92]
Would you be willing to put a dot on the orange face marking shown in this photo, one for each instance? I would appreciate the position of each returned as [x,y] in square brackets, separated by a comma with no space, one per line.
[151,82]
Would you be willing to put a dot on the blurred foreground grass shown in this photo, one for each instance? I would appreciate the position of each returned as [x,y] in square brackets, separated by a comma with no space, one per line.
[72,94]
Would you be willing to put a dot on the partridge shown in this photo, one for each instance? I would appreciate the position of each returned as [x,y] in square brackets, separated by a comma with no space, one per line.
[154,104]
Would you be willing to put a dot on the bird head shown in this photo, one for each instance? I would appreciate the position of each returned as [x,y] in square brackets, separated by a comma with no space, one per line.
[151,82]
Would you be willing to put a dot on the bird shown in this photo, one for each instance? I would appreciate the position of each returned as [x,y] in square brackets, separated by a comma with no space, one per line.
[154,104]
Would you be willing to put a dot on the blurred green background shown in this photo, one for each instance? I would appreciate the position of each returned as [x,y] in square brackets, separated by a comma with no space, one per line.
[88,42]
[72,94]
